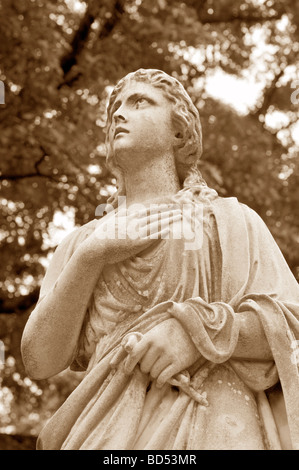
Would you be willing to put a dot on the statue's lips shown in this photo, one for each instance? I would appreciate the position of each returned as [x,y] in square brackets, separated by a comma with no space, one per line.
[120,130]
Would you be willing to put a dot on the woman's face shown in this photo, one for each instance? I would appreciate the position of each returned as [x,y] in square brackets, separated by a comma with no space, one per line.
[141,124]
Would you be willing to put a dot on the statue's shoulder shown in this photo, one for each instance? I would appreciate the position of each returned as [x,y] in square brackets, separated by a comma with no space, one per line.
[227,204]
[234,209]
[233,202]
[77,236]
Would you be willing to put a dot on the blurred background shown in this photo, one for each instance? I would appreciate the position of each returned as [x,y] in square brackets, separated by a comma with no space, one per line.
[239,61]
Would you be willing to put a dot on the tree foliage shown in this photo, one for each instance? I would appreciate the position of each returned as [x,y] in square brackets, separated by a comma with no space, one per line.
[58,62]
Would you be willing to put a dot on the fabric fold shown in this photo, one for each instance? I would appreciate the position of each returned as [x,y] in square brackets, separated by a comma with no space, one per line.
[212,327]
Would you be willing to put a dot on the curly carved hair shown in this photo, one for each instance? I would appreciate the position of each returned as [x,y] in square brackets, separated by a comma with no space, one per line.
[185,117]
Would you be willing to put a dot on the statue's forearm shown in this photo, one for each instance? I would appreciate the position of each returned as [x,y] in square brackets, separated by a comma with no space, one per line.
[241,332]
[51,333]
[252,342]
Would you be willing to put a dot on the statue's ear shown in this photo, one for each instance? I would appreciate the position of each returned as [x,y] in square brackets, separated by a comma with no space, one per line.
[178,139]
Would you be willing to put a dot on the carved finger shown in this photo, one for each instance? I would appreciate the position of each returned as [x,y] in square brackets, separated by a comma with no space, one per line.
[135,355]
[148,360]
[118,357]
[155,229]
[159,366]
[165,375]
[156,217]
[160,215]
[151,211]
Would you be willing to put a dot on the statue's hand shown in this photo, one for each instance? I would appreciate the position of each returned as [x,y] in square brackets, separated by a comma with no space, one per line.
[163,352]
[122,234]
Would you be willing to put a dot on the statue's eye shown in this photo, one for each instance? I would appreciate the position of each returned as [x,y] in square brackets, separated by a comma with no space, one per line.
[140,101]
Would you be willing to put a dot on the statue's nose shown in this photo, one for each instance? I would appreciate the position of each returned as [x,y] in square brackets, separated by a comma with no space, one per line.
[119,117]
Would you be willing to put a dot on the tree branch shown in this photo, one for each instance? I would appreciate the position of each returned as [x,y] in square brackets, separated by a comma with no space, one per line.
[110,24]
[270,90]
[242,18]
[77,43]
[27,175]
[79,40]
[36,173]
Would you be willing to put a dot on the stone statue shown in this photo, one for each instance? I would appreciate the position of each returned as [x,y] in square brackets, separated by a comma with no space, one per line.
[179,340]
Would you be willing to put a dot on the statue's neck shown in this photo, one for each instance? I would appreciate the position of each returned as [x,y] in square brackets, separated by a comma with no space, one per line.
[151,182]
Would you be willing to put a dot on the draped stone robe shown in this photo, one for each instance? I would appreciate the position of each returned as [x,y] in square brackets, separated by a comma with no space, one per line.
[221,403]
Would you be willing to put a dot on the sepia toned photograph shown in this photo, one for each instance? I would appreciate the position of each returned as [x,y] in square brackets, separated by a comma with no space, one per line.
[149,235]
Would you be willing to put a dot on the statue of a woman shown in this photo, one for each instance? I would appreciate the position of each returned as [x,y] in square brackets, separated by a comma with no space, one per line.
[179,342]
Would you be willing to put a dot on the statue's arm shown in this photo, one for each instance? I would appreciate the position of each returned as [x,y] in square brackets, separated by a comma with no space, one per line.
[252,342]
[50,337]
[173,345]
